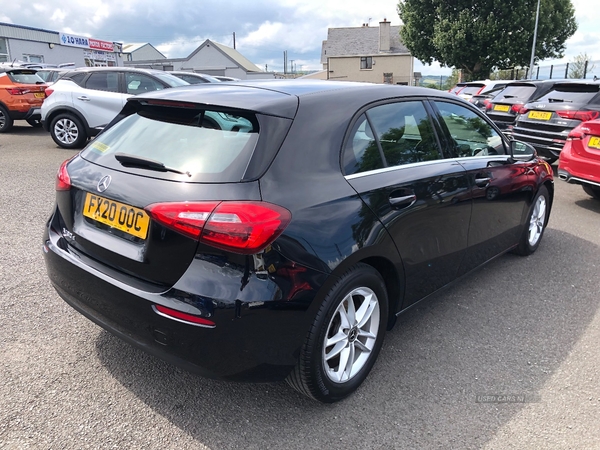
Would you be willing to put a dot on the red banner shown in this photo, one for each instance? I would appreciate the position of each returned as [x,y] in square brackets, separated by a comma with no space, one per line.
[101,45]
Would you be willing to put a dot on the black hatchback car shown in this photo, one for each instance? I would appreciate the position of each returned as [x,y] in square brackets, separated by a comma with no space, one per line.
[545,122]
[283,246]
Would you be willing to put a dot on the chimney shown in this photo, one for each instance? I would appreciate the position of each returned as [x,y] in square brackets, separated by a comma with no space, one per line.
[384,36]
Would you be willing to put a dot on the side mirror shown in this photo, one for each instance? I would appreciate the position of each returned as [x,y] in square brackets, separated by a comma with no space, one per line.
[520,151]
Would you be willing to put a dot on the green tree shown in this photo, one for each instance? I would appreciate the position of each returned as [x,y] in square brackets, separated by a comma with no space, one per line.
[577,67]
[477,36]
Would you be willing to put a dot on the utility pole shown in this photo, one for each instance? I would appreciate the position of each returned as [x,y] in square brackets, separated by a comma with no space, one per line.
[537,17]
[292,65]
[234,40]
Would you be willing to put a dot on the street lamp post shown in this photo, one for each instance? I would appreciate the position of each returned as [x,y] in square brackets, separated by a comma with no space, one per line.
[537,17]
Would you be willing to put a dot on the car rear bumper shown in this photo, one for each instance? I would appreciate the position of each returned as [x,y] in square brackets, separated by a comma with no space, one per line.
[547,144]
[257,335]
[575,169]
[33,114]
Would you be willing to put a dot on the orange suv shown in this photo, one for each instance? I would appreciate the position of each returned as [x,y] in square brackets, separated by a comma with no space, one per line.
[21,96]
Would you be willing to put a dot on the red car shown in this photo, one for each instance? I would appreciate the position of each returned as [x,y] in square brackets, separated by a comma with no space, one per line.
[580,158]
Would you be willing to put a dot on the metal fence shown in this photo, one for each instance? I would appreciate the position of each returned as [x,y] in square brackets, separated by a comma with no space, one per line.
[589,70]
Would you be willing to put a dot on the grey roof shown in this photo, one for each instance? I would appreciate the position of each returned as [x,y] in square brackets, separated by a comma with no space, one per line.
[230,53]
[360,41]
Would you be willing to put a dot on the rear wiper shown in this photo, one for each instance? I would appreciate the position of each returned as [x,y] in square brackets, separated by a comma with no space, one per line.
[145,163]
[508,96]
[559,100]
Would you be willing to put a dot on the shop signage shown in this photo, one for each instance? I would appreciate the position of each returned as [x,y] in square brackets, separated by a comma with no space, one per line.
[84,42]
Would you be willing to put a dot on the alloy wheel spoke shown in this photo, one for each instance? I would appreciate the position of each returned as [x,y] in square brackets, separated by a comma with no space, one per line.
[338,337]
[362,347]
[337,349]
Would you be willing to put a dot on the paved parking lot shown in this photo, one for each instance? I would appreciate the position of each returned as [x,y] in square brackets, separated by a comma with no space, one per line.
[508,358]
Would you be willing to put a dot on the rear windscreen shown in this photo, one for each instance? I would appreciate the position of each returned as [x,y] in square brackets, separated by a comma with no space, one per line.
[191,144]
[513,93]
[25,77]
[571,93]
[471,90]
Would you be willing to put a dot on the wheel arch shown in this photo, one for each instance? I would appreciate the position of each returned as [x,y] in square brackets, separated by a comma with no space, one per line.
[392,275]
[66,110]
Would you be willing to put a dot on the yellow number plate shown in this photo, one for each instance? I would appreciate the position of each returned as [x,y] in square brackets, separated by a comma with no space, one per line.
[39,94]
[503,108]
[123,217]
[540,115]
[594,142]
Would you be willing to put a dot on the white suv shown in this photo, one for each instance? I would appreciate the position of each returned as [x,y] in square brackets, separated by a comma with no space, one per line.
[83,101]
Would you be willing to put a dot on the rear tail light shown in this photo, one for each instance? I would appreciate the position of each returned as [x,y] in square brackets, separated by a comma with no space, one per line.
[516,109]
[48,91]
[584,116]
[239,227]
[523,110]
[488,104]
[579,132]
[18,91]
[63,181]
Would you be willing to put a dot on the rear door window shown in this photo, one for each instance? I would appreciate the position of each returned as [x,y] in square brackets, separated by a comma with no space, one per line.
[103,81]
[192,144]
[390,135]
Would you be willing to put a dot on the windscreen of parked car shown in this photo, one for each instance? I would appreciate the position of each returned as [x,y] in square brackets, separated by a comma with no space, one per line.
[25,77]
[571,93]
[202,145]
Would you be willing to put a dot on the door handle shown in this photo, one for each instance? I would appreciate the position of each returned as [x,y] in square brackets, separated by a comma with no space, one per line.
[403,202]
[482,182]
[83,98]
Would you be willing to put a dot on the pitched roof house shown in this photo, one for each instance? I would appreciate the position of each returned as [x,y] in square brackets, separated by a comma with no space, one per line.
[372,54]
[211,58]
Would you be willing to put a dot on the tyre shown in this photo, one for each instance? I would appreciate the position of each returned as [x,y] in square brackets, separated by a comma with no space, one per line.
[536,223]
[592,191]
[345,338]
[67,131]
[36,123]
[6,121]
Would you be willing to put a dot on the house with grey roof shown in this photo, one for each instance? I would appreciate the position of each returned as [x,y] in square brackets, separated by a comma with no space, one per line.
[210,58]
[371,54]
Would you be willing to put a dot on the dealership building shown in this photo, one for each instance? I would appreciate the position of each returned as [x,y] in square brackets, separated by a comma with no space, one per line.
[35,45]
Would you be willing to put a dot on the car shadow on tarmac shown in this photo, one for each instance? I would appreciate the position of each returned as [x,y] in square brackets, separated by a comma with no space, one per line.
[454,370]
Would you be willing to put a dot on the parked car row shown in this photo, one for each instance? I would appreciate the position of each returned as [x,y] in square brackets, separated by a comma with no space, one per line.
[559,118]
[74,104]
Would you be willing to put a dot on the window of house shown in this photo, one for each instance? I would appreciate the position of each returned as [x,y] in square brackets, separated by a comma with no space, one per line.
[366,62]
[3,50]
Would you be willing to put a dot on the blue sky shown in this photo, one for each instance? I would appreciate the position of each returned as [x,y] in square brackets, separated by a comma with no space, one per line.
[264,28]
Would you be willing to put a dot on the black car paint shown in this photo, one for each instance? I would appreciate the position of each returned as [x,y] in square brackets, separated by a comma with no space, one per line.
[264,304]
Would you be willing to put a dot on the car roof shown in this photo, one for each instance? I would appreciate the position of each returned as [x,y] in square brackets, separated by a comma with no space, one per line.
[116,69]
[281,97]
